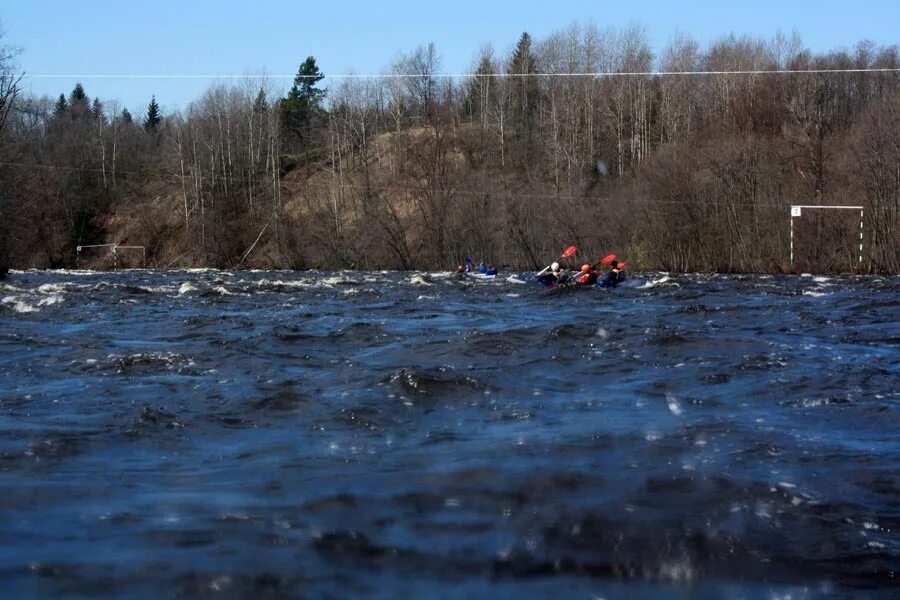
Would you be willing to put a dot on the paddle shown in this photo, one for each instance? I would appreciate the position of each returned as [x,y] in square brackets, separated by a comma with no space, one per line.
[606,260]
[568,252]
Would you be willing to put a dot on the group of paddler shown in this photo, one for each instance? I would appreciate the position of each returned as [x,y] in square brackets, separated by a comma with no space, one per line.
[469,266]
[557,275]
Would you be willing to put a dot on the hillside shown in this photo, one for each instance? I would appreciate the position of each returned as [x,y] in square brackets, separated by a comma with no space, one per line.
[684,173]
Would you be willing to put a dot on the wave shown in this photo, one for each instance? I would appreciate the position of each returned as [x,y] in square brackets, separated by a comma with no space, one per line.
[420,280]
[434,382]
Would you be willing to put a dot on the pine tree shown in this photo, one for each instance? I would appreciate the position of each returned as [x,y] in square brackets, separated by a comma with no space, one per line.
[479,87]
[521,66]
[77,94]
[304,100]
[126,116]
[79,103]
[61,107]
[261,104]
[524,98]
[154,116]
[97,109]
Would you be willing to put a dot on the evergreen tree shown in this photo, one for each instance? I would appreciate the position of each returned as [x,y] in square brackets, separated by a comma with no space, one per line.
[78,95]
[524,98]
[126,116]
[61,107]
[304,101]
[97,109]
[479,88]
[261,104]
[79,103]
[154,116]
[521,66]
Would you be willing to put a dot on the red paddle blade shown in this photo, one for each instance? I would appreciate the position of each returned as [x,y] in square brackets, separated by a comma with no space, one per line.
[621,265]
[608,259]
[569,251]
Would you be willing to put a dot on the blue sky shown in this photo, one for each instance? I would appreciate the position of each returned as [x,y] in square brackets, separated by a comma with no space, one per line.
[189,37]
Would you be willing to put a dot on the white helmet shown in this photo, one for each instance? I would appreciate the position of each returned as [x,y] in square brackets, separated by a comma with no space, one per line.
[555,266]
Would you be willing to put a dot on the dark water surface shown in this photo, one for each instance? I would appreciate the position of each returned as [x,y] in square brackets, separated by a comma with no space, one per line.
[216,434]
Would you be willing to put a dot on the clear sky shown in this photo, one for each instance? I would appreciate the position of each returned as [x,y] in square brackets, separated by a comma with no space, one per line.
[188,37]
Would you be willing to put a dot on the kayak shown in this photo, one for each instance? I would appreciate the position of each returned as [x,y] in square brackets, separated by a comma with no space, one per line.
[553,284]
[571,283]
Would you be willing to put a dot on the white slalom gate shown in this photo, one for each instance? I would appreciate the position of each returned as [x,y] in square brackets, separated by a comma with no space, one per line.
[113,251]
[797,211]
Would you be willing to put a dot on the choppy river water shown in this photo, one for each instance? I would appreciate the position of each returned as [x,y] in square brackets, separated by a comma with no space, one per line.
[244,434]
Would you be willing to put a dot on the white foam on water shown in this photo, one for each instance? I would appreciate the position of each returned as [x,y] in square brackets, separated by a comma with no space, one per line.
[159,289]
[17,305]
[339,280]
[814,402]
[814,293]
[51,288]
[419,280]
[655,282]
[51,300]
[674,405]
[73,272]
[297,283]
[186,288]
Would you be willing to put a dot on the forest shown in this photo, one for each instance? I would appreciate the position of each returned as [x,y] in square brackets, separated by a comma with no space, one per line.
[685,159]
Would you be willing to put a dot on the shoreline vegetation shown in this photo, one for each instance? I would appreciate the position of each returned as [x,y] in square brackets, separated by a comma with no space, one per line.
[412,170]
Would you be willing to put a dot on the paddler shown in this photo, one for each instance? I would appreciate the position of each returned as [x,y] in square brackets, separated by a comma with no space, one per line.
[615,276]
[588,276]
[556,275]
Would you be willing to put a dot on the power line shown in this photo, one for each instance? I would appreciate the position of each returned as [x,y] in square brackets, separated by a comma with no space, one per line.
[589,74]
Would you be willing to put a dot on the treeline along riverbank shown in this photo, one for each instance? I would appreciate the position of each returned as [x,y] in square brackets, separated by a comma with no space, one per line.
[690,162]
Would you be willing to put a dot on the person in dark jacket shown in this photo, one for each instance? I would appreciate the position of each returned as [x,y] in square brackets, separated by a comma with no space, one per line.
[615,276]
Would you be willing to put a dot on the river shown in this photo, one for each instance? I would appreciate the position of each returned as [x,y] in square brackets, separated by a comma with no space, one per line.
[374,434]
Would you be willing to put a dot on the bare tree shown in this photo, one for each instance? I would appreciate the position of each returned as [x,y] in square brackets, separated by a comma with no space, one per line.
[9,80]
